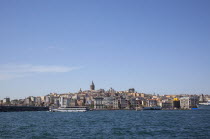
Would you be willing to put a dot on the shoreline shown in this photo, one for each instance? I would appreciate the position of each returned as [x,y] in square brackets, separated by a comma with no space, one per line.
[22,108]
[38,108]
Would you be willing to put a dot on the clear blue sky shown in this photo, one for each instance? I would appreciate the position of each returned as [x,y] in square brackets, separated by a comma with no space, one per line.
[61,46]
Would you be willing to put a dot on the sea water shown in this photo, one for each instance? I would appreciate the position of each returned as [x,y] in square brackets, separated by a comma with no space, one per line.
[106,124]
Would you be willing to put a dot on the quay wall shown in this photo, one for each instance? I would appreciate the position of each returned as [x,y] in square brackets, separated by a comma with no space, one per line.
[22,108]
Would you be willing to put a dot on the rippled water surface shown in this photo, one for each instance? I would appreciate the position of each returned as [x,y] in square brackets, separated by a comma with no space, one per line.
[106,124]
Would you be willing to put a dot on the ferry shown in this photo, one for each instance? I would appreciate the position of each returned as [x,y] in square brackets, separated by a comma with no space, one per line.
[204,106]
[69,109]
[152,108]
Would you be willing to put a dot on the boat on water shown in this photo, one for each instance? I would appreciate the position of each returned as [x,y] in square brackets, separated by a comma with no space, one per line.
[69,109]
[152,108]
[204,106]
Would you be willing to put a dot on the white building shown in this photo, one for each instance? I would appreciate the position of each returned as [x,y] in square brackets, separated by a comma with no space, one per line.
[98,103]
[188,102]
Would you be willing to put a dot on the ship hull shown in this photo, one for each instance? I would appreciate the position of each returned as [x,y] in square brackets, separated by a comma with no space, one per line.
[152,108]
[70,109]
[57,110]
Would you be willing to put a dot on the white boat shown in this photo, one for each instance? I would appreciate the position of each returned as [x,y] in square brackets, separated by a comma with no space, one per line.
[204,106]
[69,109]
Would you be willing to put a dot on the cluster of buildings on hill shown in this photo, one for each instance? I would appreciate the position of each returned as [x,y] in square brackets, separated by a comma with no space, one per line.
[110,99]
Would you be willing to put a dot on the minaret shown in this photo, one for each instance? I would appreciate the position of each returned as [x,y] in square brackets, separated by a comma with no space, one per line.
[92,86]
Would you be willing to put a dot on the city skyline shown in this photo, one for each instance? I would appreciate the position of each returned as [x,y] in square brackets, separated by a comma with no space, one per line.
[110,99]
[153,46]
[96,90]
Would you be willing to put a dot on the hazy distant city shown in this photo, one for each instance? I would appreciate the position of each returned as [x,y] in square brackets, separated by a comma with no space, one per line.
[110,100]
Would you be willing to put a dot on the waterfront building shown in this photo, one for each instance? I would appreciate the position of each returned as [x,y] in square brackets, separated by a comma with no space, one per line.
[98,103]
[92,86]
[73,102]
[28,101]
[21,102]
[63,102]
[123,102]
[194,100]
[132,103]
[38,101]
[47,100]
[33,99]
[144,102]
[176,103]
[151,102]
[6,101]
[56,102]
[81,101]
[202,98]
[188,102]
[1,102]
[14,102]
[167,105]
[184,103]
[139,102]
[159,102]
[116,104]
[108,102]
[42,98]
